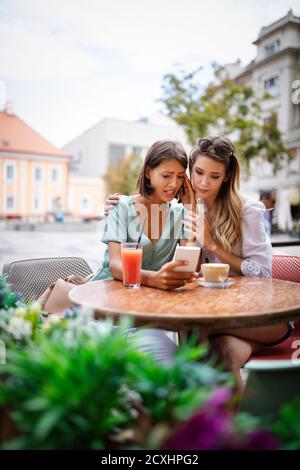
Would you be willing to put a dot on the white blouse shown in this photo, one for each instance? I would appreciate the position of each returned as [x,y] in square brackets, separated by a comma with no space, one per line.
[254,247]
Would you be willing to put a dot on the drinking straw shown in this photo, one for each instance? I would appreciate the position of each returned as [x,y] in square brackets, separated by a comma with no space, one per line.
[141,233]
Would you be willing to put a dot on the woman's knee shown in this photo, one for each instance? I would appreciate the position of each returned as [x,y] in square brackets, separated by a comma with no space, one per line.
[231,351]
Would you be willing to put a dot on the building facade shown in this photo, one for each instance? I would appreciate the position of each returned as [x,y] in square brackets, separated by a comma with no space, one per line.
[85,197]
[33,172]
[276,70]
[110,140]
[35,182]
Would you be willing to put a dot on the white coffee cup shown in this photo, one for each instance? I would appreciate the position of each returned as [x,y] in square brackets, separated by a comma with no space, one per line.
[215,272]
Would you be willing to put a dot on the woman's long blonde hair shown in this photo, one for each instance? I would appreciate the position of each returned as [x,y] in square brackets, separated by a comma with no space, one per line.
[226,227]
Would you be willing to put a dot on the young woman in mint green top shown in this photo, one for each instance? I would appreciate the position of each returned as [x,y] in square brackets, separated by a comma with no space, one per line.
[160,182]
[124,225]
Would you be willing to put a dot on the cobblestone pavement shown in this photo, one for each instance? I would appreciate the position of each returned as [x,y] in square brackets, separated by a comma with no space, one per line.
[33,244]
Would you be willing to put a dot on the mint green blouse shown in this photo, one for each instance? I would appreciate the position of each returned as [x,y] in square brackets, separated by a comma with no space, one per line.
[123,225]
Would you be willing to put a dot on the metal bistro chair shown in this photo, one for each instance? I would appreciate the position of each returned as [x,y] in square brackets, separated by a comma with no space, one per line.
[31,277]
[286,268]
[274,373]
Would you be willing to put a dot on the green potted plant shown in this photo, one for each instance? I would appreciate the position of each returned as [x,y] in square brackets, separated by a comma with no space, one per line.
[72,383]
[85,385]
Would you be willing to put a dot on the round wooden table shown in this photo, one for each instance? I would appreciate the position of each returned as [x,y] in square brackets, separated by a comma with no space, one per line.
[247,302]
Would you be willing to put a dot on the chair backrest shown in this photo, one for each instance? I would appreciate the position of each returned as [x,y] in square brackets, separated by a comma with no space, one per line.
[31,277]
[286,267]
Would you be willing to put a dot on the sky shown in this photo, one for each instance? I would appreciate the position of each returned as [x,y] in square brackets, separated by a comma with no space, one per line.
[67,64]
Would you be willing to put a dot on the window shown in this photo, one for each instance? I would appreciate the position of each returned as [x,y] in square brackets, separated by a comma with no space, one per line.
[10,203]
[37,174]
[54,174]
[56,203]
[36,203]
[38,200]
[85,205]
[271,85]
[272,48]
[10,172]
[266,169]
[75,161]
[294,164]
[296,115]
[116,153]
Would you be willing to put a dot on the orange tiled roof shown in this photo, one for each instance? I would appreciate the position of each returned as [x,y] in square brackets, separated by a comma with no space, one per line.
[16,136]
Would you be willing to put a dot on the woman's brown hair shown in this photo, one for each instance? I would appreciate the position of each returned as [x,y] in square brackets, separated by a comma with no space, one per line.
[159,152]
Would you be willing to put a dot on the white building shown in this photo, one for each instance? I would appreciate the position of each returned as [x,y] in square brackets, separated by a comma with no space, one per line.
[110,140]
[276,69]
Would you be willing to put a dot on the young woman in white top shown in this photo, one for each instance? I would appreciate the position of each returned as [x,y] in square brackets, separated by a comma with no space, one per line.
[231,231]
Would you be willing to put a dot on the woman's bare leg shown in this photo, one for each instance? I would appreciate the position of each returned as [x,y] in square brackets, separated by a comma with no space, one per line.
[263,334]
[233,353]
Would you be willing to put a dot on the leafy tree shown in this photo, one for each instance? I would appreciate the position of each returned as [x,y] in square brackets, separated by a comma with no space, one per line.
[122,178]
[224,107]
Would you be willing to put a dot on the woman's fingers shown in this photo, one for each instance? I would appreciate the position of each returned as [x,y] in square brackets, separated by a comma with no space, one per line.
[112,198]
[188,184]
[193,233]
[173,284]
[192,215]
[190,218]
[181,275]
[168,271]
[190,222]
[173,264]
[188,192]
[190,226]
[169,268]
[197,221]
[190,231]
[107,209]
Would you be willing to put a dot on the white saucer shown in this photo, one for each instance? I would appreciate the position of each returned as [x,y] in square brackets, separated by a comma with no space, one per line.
[220,285]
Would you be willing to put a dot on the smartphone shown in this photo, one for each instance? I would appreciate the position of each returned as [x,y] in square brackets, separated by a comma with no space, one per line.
[187,253]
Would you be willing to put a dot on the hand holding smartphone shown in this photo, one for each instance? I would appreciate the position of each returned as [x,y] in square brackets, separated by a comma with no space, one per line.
[187,253]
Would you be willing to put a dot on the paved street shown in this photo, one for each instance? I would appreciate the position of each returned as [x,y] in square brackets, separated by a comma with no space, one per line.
[31,244]
[26,244]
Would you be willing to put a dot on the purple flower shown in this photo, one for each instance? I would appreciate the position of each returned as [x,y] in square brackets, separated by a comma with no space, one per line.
[201,432]
[260,439]
[208,428]
[213,428]
[220,399]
